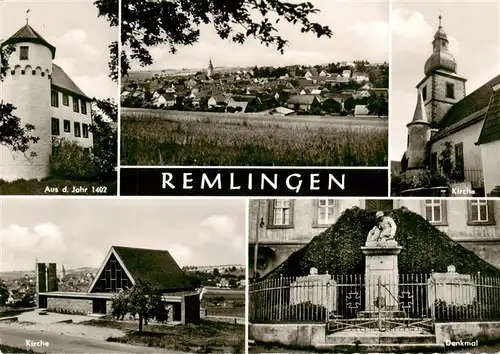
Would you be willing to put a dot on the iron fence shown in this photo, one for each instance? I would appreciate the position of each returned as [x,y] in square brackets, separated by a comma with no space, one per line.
[362,302]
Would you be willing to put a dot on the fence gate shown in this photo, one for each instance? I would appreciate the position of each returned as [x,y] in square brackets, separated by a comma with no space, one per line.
[381,305]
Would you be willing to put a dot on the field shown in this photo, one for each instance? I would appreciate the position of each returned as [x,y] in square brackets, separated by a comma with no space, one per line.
[208,337]
[224,302]
[160,137]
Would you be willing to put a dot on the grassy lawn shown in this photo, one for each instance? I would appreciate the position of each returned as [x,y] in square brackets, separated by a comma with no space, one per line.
[5,349]
[187,139]
[208,337]
[56,187]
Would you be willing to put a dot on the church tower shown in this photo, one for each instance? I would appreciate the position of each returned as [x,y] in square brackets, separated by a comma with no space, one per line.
[27,86]
[418,136]
[210,70]
[441,87]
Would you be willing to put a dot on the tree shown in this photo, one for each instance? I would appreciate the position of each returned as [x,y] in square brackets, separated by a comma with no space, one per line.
[146,24]
[105,136]
[378,105]
[216,272]
[446,159]
[4,293]
[144,300]
[332,106]
[12,134]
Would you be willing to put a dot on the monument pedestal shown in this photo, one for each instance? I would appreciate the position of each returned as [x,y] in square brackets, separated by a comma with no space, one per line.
[381,277]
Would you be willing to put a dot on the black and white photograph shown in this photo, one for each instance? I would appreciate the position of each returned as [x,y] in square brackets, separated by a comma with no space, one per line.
[143,276]
[445,138]
[58,98]
[364,275]
[271,83]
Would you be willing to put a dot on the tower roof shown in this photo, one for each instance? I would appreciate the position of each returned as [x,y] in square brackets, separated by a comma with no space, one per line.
[419,116]
[28,34]
[441,58]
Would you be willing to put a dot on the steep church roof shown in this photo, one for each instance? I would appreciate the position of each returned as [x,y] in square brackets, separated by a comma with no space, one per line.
[491,126]
[472,103]
[419,116]
[28,34]
[62,81]
[156,266]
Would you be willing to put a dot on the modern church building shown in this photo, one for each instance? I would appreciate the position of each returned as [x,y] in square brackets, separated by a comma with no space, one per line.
[447,117]
[122,268]
[45,97]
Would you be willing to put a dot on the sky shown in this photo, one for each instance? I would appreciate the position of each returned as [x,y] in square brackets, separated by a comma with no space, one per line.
[361,32]
[473,30]
[80,37]
[78,232]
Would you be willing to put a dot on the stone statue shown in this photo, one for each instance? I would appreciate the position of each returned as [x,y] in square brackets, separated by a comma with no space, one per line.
[384,231]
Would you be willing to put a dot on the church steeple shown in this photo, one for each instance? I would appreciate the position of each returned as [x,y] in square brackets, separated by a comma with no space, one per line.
[441,58]
[210,70]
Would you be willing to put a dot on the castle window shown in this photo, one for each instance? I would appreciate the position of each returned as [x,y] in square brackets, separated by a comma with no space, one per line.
[23,72]
[435,211]
[450,90]
[65,99]
[54,98]
[33,72]
[43,74]
[24,53]
[324,210]
[424,93]
[55,126]
[83,107]
[76,107]
[77,129]
[67,126]
[280,213]
[85,129]
[481,212]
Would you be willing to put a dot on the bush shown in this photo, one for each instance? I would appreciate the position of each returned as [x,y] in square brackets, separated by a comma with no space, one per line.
[72,161]
[304,311]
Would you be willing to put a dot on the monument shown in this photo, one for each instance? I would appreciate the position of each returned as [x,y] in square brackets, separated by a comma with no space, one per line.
[381,270]
[318,289]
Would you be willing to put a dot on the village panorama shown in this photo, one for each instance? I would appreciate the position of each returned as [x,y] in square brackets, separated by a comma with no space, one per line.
[297,115]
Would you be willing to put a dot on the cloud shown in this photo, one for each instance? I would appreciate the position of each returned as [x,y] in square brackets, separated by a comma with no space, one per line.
[42,240]
[412,33]
[182,254]
[221,229]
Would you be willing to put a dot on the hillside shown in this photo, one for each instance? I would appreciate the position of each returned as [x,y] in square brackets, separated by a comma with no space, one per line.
[338,249]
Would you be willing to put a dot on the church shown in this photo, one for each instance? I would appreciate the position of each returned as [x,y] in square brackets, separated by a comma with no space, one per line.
[122,268]
[447,119]
[45,97]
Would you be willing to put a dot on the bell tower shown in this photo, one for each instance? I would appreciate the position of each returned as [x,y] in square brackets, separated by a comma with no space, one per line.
[441,87]
[210,70]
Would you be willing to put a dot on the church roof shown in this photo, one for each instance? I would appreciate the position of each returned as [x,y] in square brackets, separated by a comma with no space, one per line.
[62,81]
[155,266]
[28,34]
[419,116]
[491,126]
[474,102]
[441,58]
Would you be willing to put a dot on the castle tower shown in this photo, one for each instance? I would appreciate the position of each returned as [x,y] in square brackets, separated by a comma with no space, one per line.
[27,86]
[418,136]
[441,87]
[210,70]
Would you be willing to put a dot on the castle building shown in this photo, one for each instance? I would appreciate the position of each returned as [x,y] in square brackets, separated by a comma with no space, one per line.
[446,115]
[280,227]
[45,97]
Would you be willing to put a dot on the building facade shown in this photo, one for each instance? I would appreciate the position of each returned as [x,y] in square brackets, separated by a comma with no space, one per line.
[45,97]
[282,226]
[447,120]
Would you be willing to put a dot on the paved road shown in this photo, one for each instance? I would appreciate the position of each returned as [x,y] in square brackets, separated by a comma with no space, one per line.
[16,337]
